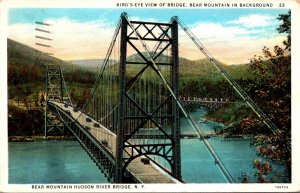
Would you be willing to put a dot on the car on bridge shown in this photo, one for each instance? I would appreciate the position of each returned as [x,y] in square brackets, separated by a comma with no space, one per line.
[105,143]
[145,160]
[97,125]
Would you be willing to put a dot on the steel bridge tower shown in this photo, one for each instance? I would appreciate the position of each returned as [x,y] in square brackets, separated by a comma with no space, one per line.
[171,151]
[54,92]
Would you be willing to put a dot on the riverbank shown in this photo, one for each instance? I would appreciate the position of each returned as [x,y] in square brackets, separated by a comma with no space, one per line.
[238,120]
[38,138]
[197,164]
[218,135]
[183,136]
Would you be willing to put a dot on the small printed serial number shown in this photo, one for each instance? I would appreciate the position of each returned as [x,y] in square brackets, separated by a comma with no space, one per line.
[281,187]
[281,5]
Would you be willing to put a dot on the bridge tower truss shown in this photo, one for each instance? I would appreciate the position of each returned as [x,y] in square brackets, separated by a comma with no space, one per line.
[54,92]
[132,115]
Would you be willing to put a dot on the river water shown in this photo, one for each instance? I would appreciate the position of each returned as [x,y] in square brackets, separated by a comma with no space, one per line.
[67,162]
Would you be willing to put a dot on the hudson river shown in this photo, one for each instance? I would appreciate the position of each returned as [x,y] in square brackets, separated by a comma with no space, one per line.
[66,161]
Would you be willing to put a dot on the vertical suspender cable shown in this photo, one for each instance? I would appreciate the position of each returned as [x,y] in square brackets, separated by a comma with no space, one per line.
[64,83]
[218,161]
[107,57]
[232,82]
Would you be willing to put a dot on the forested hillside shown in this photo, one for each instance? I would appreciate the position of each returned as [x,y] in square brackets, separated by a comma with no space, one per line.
[26,82]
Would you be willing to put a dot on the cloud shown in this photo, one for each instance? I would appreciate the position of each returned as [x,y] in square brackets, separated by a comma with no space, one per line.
[73,40]
[243,49]
[217,30]
[253,21]
[229,44]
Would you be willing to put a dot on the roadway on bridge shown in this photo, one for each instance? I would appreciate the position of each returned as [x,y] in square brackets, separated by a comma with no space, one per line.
[145,173]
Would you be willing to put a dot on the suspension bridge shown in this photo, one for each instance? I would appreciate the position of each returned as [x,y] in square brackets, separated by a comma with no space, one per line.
[129,124]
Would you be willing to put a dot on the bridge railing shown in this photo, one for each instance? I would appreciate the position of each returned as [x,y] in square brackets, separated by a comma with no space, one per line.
[205,99]
[100,152]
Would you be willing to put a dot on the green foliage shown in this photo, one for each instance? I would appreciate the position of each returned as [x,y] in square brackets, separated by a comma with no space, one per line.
[204,69]
[270,88]
[285,27]
[25,122]
[236,119]
[78,75]
[26,76]
[275,95]
[201,79]
[26,69]
[27,65]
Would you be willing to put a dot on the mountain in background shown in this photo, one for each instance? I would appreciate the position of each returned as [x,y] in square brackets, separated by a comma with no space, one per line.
[21,58]
[27,73]
[21,54]
[201,68]
[90,63]
[204,69]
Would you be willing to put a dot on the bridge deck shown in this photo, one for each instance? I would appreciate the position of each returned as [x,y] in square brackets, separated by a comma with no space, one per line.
[145,173]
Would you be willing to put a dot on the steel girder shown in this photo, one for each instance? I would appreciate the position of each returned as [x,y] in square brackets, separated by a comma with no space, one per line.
[54,92]
[170,150]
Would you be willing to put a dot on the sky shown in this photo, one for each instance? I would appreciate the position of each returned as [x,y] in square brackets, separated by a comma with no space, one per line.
[232,36]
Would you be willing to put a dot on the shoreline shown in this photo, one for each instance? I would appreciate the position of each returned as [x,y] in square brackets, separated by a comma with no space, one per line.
[212,135]
[38,138]
[182,136]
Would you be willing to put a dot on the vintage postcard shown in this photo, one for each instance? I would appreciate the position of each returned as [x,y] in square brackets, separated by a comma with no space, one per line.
[149,96]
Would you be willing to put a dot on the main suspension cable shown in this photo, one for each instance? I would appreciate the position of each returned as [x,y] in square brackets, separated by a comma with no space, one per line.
[261,115]
[105,62]
[214,155]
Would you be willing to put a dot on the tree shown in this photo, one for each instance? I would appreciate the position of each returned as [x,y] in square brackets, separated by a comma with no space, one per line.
[285,27]
[274,68]
[42,98]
